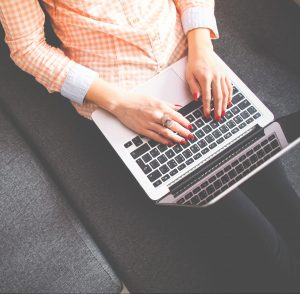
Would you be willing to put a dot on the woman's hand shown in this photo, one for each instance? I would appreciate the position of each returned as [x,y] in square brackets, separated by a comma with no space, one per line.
[144,115]
[206,75]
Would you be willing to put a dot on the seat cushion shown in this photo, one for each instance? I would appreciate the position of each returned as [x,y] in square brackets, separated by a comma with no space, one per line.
[152,248]
[43,247]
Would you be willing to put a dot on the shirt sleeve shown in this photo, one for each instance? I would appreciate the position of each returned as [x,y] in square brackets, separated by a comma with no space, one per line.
[198,14]
[23,22]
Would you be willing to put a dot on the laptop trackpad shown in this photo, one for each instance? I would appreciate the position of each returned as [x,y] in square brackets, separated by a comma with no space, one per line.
[167,86]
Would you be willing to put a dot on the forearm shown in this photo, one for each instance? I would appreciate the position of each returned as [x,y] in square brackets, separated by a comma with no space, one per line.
[198,39]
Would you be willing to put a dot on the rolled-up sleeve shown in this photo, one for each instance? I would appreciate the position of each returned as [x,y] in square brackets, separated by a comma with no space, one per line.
[198,14]
[23,22]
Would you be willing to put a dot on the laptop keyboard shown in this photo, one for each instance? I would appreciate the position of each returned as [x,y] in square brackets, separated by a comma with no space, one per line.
[160,162]
[229,174]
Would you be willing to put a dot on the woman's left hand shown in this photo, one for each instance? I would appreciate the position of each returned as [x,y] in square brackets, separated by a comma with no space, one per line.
[206,76]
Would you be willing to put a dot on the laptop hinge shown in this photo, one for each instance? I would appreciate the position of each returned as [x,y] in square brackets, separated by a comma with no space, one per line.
[212,164]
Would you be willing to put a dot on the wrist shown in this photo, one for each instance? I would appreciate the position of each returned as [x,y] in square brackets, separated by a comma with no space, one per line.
[104,95]
[199,39]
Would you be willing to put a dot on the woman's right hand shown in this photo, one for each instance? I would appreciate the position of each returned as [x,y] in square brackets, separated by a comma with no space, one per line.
[144,114]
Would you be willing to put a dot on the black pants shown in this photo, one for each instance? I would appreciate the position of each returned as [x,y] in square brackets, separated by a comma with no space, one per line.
[254,234]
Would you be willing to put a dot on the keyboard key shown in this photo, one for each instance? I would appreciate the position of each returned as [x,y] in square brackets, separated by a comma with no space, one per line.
[154,152]
[200,134]
[224,129]
[154,175]
[204,151]
[234,90]
[164,169]
[195,200]
[128,144]
[188,196]
[274,144]
[237,119]
[147,157]
[217,184]
[181,167]
[216,134]
[260,153]
[236,162]
[213,145]
[251,109]
[165,178]
[214,124]
[232,173]
[190,161]
[187,153]
[154,164]
[242,158]
[180,201]
[170,153]
[152,143]
[267,149]
[210,189]
[250,152]
[220,173]
[264,142]
[231,124]
[197,156]
[202,195]
[239,168]
[162,159]
[237,98]
[225,179]
[190,118]
[173,172]
[244,104]
[157,183]
[228,114]
[209,138]
[219,141]
[212,179]
[137,141]
[235,110]
[195,148]
[235,130]
[272,137]
[197,113]
[207,129]
[162,148]
[172,163]
[227,168]
[257,115]
[185,146]
[205,184]
[196,190]
[140,151]
[222,120]
[249,120]
[179,158]
[177,148]
[242,125]
[245,114]
[202,143]
[199,123]
[228,135]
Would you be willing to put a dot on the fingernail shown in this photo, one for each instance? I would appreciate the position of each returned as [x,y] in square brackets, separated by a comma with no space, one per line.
[218,118]
[196,96]
[170,144]
[229,104]
[206,116]
[190,126]
[223,113]
[190,136]
[178,105]
[183,142]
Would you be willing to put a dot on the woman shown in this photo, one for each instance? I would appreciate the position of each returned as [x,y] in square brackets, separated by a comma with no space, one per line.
[110,46]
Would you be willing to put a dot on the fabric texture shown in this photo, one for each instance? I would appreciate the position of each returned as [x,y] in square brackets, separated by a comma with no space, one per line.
[149,246]
[43,248]
[126,42]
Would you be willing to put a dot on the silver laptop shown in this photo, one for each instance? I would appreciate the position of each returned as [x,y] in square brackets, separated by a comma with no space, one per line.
[222,155]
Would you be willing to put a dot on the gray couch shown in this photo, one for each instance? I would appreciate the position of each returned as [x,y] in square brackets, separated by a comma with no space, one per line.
[61,210]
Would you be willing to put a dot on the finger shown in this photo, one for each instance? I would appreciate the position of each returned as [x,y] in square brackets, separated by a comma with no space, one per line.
[225,95]
[230,89]
[156,137]
[180,130]
[218,97]
[176,107]
[194,87]
[178,117]
[167,134]
[205,84]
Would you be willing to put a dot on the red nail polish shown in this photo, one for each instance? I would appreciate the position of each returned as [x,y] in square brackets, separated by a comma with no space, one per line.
[229,104]
[190,136]
[218,118]
[183,142]
[170,144]
[178,105]
[190,126]
[196,96]
[223,113]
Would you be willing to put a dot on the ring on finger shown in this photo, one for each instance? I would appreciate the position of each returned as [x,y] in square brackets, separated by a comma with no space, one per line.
[166,121]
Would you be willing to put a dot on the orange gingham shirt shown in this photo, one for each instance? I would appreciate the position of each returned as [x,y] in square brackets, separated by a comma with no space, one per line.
[124,42]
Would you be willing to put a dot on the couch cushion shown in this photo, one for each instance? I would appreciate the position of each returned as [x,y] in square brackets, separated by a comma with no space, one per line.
[43,247]
[150,247]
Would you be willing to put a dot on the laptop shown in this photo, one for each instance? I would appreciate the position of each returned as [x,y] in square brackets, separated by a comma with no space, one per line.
[222,154]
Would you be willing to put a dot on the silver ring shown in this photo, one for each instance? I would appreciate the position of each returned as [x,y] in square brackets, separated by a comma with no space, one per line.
[166,121]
